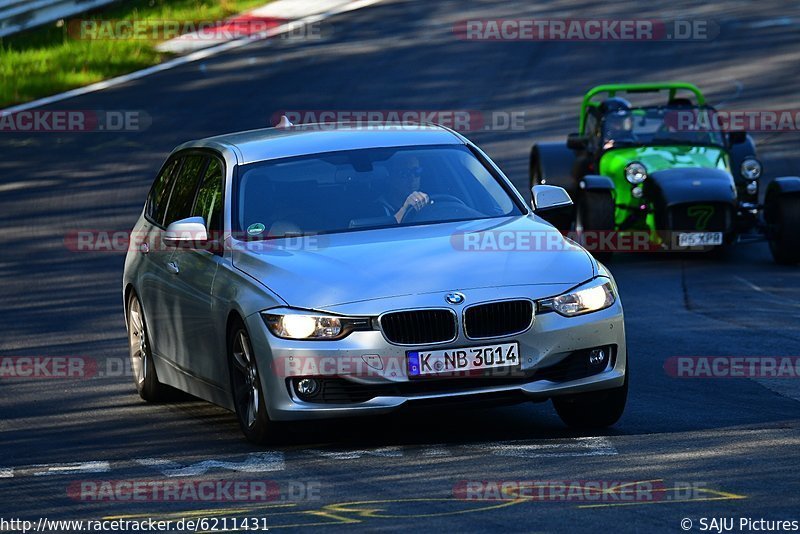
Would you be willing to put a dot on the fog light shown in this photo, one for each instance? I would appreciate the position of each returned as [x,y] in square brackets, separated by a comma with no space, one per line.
[597,356]
[752,188]
[637,192]
[307,387]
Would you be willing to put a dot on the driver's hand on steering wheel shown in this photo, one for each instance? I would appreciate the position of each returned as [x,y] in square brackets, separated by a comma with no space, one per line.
[416,200]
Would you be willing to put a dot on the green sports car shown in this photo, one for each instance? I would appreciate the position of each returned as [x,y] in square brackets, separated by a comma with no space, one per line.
[662,172]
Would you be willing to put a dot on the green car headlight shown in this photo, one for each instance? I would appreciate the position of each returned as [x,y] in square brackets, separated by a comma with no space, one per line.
[635,172]
[298,324]
[593,296]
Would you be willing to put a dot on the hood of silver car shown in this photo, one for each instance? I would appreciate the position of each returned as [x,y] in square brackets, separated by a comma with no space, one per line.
[319,272]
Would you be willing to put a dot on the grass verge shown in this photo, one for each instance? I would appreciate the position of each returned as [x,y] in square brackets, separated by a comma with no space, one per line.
[51,59]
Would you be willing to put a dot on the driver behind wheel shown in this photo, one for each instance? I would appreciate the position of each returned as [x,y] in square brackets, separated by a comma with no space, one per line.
[403,192]
[619,126]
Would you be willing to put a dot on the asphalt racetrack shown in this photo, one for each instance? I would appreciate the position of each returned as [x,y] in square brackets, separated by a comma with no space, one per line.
[709,447]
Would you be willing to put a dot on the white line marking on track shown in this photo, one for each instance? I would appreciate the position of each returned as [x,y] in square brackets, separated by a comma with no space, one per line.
[383,452]
[592,446]
[771,23]
[766,293]
[435,450]
[274,460]
[78,467]
[254,463]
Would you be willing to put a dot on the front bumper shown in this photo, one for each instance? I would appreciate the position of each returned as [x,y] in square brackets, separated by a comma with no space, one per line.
[550,341]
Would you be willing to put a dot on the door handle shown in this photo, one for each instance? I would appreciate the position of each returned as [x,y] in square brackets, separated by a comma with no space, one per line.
[144,248]
[173,267]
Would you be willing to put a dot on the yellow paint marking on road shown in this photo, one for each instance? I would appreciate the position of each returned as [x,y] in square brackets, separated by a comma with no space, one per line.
[373,512]
[326,513]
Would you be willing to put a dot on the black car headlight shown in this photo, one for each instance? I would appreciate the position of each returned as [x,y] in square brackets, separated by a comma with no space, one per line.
[751,169]
[595,295]
[288,323]
[635,172]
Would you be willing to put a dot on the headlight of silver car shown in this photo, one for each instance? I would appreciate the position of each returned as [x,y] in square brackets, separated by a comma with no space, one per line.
[635,172]
[298,324]
[751,169]
[593,296]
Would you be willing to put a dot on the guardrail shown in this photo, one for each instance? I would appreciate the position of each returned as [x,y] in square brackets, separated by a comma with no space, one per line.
[18,15]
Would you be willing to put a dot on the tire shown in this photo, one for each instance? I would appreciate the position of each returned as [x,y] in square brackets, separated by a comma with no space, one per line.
[598,409]
[784,242]
[144,371]
[596,213]
[248,395]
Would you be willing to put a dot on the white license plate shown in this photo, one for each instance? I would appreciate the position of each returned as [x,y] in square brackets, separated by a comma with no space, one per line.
[699,239]
[431,362]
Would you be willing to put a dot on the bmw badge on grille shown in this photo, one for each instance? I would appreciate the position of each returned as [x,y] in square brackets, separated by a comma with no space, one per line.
[454,298]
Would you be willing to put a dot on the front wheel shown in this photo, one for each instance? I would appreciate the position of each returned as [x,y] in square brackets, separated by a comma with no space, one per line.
[595,214]
[597,409]
[248,396]
[784,218]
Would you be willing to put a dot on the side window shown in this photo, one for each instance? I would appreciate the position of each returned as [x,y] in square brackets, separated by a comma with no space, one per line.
[209,198]
[159,193]
[182,197]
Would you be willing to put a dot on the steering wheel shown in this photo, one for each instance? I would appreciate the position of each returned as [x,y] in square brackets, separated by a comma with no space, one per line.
[440,203]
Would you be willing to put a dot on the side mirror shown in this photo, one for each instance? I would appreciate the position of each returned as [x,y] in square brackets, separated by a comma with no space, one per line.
[737,137]
[577,141]
[549,197]
[186,231]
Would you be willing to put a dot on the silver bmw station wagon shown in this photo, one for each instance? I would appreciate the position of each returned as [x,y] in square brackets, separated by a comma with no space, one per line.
[322,271]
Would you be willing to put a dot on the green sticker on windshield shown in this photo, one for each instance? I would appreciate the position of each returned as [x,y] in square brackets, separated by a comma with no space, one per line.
[256,229]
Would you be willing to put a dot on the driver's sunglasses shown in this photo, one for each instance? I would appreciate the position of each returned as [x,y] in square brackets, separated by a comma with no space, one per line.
[412,172]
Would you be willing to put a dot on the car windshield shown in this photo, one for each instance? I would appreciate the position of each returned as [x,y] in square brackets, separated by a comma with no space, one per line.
[660,125]
[367,188]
